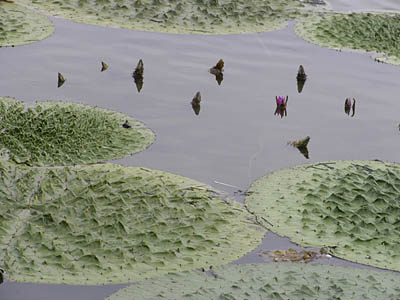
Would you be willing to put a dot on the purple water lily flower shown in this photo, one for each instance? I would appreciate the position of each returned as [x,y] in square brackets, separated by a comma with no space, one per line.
[281,104]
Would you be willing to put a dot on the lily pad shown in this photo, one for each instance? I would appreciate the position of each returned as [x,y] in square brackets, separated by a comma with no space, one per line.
[179,16]
[376,32]
[20,25]
[268,281]
[60,133]
[106,223]
[351,208]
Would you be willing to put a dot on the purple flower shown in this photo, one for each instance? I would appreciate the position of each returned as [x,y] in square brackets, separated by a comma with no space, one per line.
[281,103]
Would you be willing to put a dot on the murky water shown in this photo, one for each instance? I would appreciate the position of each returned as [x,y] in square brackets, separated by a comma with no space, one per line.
[236,138]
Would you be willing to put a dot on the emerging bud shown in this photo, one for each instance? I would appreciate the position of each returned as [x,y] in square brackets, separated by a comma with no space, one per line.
[139,69]
[197,98]
[348,106]
[301,75]
[104,66]
[218,68]
[61,80]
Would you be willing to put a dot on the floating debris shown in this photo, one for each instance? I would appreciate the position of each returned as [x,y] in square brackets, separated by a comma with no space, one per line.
[61,80]
[348,106]
[104,66]
[281,104]
[302,146]
[292,255]
[126,124]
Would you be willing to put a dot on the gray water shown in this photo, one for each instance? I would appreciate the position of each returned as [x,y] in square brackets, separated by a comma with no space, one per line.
[362,5]
[236,138]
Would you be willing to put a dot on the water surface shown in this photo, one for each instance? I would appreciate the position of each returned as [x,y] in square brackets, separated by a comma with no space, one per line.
[236,138]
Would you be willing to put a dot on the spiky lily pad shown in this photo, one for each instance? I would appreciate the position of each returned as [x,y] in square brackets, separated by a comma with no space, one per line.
[180,16]
[20,25]
[268,281]
[350,207]
[376,32]
[60,133]
[106,224]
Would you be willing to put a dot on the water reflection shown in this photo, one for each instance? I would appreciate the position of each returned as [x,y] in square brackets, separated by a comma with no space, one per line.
[281,104]
[301,78]
[219,77]
[218,70]
[196,103]
[348,106]
[138,75]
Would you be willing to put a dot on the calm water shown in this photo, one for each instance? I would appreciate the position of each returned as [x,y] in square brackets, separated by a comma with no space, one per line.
[236,138]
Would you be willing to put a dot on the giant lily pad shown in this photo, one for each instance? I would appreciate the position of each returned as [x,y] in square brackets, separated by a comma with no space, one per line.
[268,281]
[20,25]
[58,133]
[180,16]
[350,207]
[377,32]
[102,224]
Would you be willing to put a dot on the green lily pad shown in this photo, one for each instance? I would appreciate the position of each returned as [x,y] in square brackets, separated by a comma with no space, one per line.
[179,16]
[349,207]
[376,32]
[60,133]
[20,25]
[106,223]
[268,281]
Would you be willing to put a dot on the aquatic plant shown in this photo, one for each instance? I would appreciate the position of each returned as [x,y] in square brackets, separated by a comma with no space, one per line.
[377,32]
[302,146]
[106,223]
[61,80]
[281,104]
[104,66]
[59,133]
[20,25]
[284,281]
[350,208]
[301,78]
[138,75]
[180,16]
